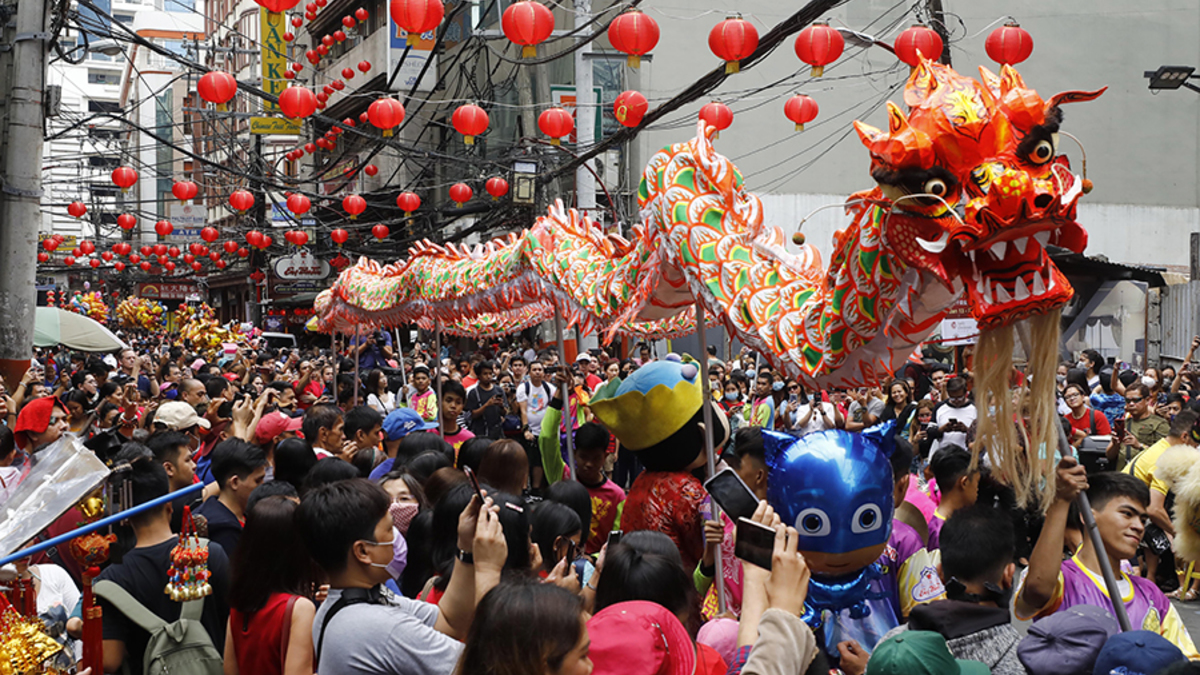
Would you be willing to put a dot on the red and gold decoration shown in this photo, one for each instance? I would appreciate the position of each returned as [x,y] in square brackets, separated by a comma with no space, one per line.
[801,110]
[415,17]
[187,579]
[1009,44]
[461,193]
[408,202]
[354,205]
[241,200]
[733,40]
[497,187]
[630,107]
[819,45]
[470,120]
[124,177]
[717,114]
[527,23]
[918,38]
[217,87]
[633,33]
[386,113]
[556,123]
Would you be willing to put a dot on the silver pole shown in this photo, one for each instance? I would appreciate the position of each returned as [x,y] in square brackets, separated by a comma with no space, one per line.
[709,451]
[566,392]
[337,362]
[437,374]
[358,345]
[399,351]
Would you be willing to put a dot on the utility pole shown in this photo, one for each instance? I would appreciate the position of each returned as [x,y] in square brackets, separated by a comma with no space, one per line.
[937,16]
[22,191]
[585,110]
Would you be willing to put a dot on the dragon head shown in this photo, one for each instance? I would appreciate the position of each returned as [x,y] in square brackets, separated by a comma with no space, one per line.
[975,188]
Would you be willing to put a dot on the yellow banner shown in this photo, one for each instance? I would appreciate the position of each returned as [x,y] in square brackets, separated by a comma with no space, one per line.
[274,55]
[269,126]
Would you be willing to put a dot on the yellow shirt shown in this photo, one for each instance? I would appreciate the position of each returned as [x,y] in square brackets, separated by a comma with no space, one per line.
[1143,465]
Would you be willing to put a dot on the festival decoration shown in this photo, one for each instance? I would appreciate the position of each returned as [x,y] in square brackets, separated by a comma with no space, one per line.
[348,21]
[633,33]
[254,238]
[408,202]
[386,113]
[527,23]
[380,231]
[630,107]
[370,170]
[470,120]
[801,110]
[461,193]
[416,17]
[141,313]
[733,40]
[243,252]
[217,87]
[361,14]
[298,204]
[119,266]
[188,576]
[124,177]
[556,123]
[819,45]
[1009,44]
[354,205]
[497,187]
[296,102]
[718,115]
[339,236]
[364,66]
[127,221]
[209,234]
[91,305]
[76,209]
[916,41]
[26,647]
[87,247]
[184,190]
[43,257]
[241,200]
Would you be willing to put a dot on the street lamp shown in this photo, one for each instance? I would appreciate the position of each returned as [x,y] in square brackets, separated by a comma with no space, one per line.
[1172,77]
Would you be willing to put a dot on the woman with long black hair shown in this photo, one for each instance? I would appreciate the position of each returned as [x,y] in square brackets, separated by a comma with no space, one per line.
[270,607]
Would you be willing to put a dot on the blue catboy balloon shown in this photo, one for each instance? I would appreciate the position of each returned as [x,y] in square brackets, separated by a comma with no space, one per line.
[835,488]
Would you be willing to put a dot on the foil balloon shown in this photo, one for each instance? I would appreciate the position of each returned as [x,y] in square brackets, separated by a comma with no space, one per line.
[835,488]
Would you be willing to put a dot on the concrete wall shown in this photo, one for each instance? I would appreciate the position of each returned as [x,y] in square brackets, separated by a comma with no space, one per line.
[1143,149]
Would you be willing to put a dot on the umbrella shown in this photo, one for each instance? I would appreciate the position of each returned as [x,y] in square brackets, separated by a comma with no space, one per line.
[54,326]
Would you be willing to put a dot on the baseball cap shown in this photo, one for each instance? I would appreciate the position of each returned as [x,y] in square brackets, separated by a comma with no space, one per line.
[1067,641]
[583,356]
[401,421]
[639,638]
[920,652]
[1138,652]
[274,423]
[178,415]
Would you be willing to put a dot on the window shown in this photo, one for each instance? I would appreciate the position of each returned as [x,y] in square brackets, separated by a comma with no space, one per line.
[104,161]
[124,19]
[103,77]
[103,106]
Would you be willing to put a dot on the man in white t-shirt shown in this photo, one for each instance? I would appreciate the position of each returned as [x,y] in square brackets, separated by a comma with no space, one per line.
[812,417]
[534,398]
[953,417]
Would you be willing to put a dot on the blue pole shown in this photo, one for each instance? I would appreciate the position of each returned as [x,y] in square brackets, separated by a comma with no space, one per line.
[103,522]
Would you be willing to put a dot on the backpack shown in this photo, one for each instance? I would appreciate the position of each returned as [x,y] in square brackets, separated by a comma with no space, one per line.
[180,648]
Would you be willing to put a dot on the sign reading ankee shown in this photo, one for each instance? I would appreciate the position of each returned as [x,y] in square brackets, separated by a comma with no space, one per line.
[300,266]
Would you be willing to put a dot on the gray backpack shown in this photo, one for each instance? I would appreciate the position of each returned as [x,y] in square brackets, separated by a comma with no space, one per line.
[180,648]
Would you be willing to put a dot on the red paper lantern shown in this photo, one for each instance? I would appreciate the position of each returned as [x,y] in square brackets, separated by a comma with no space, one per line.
[311,16]
[277,6]
[217,86]
[461,193]
[717,114]
[145,266]
[241,200]
[354,205]
[310,148]
[173,251]
[87,247]
[50,244]
[147,251]
[297,21]
[801,110]
[42,257]
[122,248]
[289,75]
[362,117]
[339,236]
[214,256]
[230,246]
[119,266]
[296,102]
[69,260]
[364,66]
[556,123]
[733,40]
[348,21]
[386,113]
[633,33]
[124,177]
[169,266]
[243,252]
[95,263]
[630,107]
[299,237]
[196,248]
[1009,44]
[163,228]
[497,187]
[298,204]
[184,190]
[370,169]
[527,23]
[322,97]
[380,231]
[196,267]
[918,37]
[327,40]
[189,258]
[348,73]
[288,37]
[416,16]
[818,46]
[76,252]
[127,221]
[254,238]
[311,7]
[361,14]
[107,256]
[408,202]
[470,120]
[221,264]
[135,258]
[209,234]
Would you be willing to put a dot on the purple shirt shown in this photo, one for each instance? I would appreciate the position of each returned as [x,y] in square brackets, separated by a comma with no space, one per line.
[905,540]
[935,531]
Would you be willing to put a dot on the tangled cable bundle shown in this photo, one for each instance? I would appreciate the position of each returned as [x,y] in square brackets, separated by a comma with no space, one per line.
[141,313]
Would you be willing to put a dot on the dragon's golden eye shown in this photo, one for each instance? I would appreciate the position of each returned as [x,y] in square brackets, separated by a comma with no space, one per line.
[1042,152]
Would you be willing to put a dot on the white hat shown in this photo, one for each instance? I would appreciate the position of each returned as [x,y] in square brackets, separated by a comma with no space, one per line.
[178,415]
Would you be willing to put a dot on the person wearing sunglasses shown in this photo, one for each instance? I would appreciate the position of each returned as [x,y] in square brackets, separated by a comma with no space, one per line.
[1139,429]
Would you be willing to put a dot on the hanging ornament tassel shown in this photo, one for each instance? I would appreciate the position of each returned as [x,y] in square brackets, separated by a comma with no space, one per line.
[188,577]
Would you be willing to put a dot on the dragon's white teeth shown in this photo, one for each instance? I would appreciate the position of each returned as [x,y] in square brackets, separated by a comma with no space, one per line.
[986,292]
[998,250]
[1039,286]
[1020,244]
[1021,291]
[1043,237]
[972,255]
[1002,295]
[936,246]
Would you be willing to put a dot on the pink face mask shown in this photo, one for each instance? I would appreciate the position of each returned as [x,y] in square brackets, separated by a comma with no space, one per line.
[403,514]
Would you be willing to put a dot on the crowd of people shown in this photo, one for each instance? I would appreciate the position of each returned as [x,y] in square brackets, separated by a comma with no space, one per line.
[376,510]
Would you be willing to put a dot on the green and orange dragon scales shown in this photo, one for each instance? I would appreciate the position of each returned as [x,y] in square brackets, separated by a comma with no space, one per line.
[970,190]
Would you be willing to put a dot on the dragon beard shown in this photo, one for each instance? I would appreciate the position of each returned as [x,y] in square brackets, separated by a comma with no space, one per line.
[1019,436]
